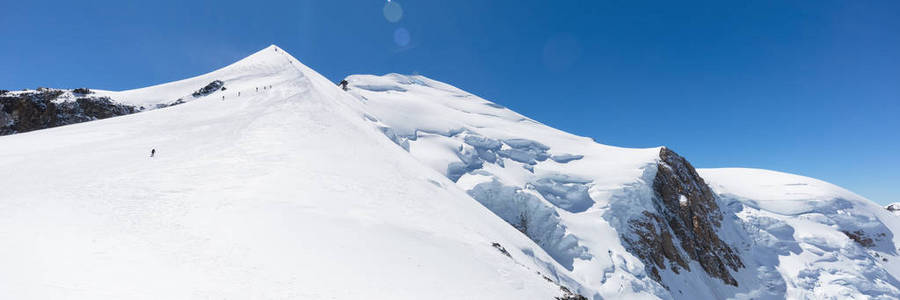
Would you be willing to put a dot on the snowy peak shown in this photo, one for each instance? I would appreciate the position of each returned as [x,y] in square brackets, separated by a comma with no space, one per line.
[252,71]
[270,181]
[24,111]
[272,186]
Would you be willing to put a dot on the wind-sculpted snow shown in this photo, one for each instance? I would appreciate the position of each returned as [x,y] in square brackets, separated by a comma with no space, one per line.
[514,205]
[830,242]
[507,165]
[564,158]
[565,192]
[380,88]
[485,147]
[532,217]
[524,151]
[469,161]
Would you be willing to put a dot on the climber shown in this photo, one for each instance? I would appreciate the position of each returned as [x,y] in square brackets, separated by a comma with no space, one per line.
[343,84]
[152,152]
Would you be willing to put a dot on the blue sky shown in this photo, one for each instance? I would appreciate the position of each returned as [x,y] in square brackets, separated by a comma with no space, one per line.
[807,87]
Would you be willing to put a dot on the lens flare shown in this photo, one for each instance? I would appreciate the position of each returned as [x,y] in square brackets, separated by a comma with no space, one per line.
[392,11]
[401,37]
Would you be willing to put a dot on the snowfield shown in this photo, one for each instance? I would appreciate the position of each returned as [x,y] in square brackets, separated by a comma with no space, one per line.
[284,186]
[285,193]
[810,226]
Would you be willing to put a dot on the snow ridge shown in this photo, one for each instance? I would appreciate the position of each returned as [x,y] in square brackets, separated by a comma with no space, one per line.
[271,182]
[284,192]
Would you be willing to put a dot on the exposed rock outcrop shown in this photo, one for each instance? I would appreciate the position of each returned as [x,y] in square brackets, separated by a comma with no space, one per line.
[860,238]
[82,91]
[655,245]
[210,88]
[686,214]
[569,295]
[29,111]
[893,208]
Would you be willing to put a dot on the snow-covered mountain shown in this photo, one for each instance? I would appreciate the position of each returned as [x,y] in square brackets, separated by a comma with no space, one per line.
[269,181]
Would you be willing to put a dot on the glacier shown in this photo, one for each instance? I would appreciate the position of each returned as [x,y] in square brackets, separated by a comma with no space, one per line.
[282,185]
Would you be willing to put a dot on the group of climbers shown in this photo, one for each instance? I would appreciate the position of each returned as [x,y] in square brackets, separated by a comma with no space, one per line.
[343,84]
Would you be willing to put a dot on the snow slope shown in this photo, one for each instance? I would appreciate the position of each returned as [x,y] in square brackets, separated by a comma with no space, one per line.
[810,226]
[589,192]
[285,193]
[402,187]
[464,136]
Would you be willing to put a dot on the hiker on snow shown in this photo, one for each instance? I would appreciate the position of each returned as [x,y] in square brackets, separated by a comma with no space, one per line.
[343,84]
[152,152]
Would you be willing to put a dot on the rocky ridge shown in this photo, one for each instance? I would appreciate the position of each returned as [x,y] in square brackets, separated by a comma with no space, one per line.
[687,215]
[40,109]
[43,108]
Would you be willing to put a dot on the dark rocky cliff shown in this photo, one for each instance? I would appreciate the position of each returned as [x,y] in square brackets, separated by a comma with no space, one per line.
[27,111]
[683,227]
[42,108]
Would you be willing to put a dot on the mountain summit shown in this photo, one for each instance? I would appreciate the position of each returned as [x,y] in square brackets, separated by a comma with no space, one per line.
[269,181]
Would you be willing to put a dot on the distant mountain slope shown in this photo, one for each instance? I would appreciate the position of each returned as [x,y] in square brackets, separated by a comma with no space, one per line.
[269,181]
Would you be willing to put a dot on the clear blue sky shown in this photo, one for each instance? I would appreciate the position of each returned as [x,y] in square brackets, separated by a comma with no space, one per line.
[807,87]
